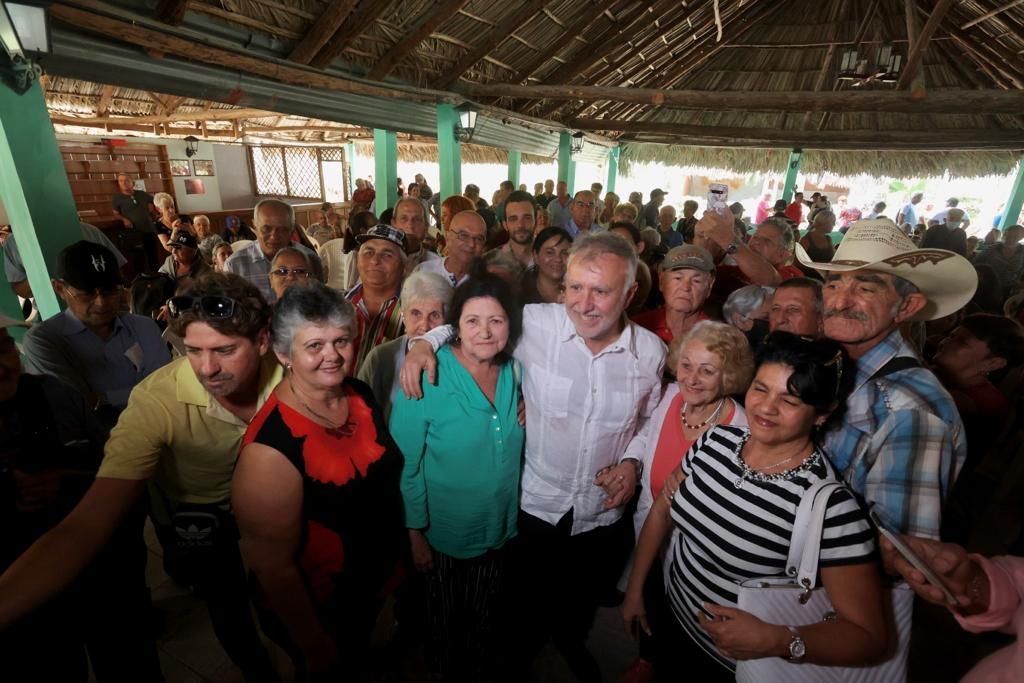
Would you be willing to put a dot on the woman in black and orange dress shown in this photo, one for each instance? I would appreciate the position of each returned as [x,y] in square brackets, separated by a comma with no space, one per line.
[316,493]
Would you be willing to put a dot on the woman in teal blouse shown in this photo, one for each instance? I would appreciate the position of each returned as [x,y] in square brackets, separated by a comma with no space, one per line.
[463,448]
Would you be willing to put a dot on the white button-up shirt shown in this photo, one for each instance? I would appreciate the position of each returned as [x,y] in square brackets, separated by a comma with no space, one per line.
[582,411]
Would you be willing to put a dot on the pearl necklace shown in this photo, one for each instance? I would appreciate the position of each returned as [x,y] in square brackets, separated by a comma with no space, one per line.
[705,423]
[747,472]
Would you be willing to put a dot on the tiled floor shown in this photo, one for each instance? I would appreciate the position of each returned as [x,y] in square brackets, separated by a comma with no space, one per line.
[190,653]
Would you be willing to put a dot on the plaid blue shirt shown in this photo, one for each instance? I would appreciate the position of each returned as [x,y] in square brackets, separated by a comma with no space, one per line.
[901,443]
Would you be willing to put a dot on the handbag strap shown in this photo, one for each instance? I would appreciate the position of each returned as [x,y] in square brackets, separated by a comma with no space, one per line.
[805,544]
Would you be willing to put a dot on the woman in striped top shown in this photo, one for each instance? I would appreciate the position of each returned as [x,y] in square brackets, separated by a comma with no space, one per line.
[732,519]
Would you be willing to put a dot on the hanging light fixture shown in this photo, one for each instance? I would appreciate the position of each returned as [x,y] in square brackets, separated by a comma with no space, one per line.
[862,70]
[24,31]
[191,146]
[466,126]
[848,64]
[576,146]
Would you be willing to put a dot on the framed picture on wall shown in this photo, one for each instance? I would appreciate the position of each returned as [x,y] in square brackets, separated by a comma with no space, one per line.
[194,187]
[180,167]
[203,166]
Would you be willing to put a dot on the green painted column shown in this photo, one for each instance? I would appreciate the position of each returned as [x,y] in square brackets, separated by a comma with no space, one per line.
[449,151]
[566,165]
[35,191]
[350,161]
[385,161]
[792,168]
[1011,212]
[613,168]
[515,162]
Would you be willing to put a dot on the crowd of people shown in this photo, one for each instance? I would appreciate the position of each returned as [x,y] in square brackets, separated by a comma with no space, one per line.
[498,418]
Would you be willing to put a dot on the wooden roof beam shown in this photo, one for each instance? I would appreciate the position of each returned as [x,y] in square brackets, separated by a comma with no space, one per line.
[912,67]
[989,15]
[774,137]
[212,115]
[106,95]
[427,24]
[489,41]
[321,31]
[242,20]
[983,140]
[357,22]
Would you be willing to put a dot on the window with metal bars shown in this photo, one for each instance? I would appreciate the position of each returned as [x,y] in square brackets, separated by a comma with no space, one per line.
[299,172]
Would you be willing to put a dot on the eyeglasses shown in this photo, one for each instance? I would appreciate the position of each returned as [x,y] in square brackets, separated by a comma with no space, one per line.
[285,272]
[464,236]
[215,307]
[86,295]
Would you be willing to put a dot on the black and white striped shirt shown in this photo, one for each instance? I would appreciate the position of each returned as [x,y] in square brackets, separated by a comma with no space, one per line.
[725,535]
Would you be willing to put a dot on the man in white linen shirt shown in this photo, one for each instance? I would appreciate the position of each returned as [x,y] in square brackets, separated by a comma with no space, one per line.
[591,379]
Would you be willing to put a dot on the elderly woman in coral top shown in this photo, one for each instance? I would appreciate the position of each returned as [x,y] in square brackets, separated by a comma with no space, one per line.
[713,362]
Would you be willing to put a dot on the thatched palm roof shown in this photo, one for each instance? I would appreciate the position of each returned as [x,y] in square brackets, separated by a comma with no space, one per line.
[595,55]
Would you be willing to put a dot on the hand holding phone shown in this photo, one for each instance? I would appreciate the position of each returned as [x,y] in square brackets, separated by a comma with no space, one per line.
[916,562]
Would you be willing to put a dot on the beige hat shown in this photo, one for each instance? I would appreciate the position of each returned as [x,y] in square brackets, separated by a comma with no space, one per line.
[945,277]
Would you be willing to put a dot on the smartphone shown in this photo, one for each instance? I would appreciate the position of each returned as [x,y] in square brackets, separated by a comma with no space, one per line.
[718,198]
[911,557]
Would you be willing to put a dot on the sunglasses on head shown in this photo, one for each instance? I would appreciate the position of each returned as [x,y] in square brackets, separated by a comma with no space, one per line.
[215,307]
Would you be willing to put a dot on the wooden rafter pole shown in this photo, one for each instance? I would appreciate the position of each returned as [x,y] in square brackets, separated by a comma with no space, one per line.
[910,14]
[242,20]
[912,69]
[427,24]
[985,140]
[858,40]
[937,102]
[357,22]
[830,52]
[106,95]
[989,15]
[136,34]
[212,115]
[489,41]
[321,31]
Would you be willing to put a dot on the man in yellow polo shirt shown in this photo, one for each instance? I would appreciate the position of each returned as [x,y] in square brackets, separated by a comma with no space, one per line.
[180,433]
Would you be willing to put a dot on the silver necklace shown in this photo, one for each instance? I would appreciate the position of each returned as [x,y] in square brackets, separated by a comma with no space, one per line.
[747,472]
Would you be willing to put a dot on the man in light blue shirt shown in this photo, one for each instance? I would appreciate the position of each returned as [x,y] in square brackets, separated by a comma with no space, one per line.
[90,346]
[581,215]
[558,207]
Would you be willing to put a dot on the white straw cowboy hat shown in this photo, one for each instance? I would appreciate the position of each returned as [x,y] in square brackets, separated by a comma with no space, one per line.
[945,277]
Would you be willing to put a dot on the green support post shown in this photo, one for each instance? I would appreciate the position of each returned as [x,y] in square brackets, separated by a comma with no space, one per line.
[385,161]
[566,165]
[792,168]
[515,162]
[350,163]
[449,151]
[35,191]
[1011,212]
[613,168]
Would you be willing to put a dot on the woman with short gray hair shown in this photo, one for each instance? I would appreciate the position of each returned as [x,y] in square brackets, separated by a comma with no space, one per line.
[747,310]
[316,493]
[424,300]
[168,221]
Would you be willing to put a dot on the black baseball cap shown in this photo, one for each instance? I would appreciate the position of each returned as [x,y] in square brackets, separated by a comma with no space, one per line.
[182,238]
[87,266]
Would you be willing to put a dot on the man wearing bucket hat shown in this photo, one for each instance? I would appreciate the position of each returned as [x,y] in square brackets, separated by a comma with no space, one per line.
[380,261]
[901,442]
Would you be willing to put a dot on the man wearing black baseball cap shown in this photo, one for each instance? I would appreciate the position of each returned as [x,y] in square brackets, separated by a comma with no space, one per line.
[380,261]
[184,260]
[91,346]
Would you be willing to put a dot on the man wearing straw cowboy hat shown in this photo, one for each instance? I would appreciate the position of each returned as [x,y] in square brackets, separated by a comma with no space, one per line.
[901,441]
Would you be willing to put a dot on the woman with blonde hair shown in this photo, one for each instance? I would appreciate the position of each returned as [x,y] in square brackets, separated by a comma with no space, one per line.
[712,362]
[611,200]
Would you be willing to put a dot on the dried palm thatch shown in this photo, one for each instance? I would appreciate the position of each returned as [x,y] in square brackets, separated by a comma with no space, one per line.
[754,46]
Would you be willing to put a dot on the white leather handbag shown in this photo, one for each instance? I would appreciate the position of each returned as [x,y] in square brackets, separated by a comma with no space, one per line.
[797,600]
